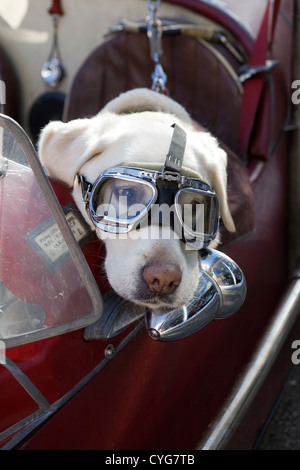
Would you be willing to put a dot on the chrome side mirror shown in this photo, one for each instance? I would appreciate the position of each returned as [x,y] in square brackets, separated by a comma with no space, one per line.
[220,293]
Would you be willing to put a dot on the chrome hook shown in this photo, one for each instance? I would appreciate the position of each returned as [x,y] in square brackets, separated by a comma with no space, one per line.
[154,32]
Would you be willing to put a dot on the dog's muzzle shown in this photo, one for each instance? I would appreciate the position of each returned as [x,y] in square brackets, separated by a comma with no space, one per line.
[220,293]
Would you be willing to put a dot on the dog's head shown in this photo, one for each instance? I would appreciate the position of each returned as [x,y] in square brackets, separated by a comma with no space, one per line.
[157,271]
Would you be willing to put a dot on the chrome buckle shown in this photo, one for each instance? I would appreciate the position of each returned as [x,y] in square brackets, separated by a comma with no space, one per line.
[85,189]
[249,72]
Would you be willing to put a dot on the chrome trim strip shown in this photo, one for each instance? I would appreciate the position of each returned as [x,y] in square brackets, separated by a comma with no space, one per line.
[246,389]
[26,383]
[23,428]
[226,64]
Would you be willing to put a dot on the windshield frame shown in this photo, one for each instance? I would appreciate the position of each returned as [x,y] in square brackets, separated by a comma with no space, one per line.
[75,251]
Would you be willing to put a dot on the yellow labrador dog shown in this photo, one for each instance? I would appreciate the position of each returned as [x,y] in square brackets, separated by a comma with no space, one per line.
[119,155]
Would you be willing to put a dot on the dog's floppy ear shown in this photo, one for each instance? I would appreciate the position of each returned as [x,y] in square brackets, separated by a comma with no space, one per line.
[218,175]
[64,147]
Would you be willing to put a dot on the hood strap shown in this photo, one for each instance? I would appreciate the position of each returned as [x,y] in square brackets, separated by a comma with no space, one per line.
[175,154]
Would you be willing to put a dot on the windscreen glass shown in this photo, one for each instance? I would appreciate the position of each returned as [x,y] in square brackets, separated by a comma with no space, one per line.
[43,286]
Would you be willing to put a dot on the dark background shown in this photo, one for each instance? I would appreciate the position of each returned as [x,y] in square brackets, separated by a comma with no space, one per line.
[282,432]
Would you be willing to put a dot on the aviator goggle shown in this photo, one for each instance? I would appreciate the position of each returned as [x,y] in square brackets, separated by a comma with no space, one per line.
[127,198]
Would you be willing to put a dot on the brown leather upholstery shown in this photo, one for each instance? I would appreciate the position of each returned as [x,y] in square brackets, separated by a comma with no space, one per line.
[197,79]
[240,200]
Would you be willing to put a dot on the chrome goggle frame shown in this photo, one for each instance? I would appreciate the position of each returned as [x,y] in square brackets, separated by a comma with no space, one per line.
[152,179]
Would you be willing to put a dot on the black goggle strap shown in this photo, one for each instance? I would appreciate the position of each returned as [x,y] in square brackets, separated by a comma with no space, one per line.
[175,154]
[86,188]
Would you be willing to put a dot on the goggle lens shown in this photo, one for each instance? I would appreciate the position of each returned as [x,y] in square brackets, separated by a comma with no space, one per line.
[118,202]
[122,200]
[198,210]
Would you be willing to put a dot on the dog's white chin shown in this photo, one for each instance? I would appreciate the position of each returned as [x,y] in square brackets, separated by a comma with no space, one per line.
[156,304]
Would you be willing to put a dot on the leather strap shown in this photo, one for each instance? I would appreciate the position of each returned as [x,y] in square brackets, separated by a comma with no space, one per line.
[254,86]
[175,154]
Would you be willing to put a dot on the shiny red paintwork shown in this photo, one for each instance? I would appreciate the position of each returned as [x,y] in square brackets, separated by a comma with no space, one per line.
[163,396]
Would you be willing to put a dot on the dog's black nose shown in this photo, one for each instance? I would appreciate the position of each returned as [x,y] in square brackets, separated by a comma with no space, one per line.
[162,278]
